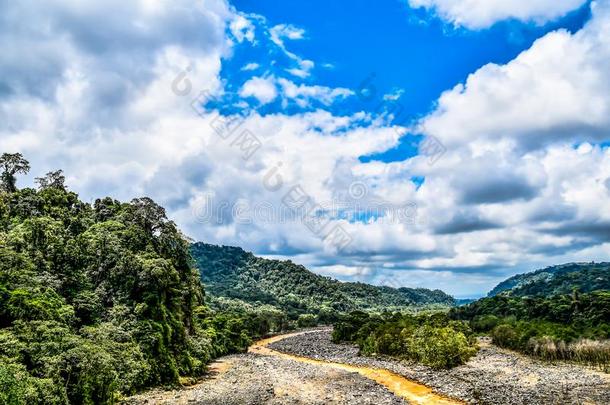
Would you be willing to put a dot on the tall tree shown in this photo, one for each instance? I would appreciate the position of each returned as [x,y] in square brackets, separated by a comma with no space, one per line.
[148,214]
[11,164]
[54,179]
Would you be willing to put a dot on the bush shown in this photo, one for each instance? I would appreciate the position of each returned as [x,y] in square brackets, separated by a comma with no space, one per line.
[484,323]
[18,387]
[505,336]
[307,321]
[434,340]
[90,374]
[440,347]
[591,352]
[346,329]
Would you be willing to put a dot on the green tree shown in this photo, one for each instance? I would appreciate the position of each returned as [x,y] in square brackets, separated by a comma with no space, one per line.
[11,164]
[440,347]
[54,179]
[103,299]
[307,320]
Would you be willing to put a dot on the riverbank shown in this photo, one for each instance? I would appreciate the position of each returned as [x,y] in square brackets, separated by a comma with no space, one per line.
[400,386]
[262,378]
[493,376]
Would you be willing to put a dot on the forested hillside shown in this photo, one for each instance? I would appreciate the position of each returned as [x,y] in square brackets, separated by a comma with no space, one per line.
[99,299]
[561,279]
[103,299]
[571,327]
[232,273]
[559,312]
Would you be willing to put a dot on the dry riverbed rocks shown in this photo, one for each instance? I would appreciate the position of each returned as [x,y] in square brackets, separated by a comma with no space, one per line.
[493,376]
[250,379]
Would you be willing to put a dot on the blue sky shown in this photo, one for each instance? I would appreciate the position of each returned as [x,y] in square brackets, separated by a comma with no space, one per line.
[454,144]
[392,46]
[388,49]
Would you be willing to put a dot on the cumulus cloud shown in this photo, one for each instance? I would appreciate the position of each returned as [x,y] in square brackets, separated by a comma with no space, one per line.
[555,91]
[121,107]
[108,105]
[477,14]
[263,89]
[242,28]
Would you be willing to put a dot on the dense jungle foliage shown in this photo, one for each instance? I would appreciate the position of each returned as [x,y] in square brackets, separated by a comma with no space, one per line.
[235,277]
[101,299]
[561,327]
[431,339]
[561,279]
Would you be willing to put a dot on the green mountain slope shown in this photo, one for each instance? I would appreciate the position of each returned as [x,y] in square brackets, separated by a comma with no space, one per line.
[231,272]
[100,299]
[561,279]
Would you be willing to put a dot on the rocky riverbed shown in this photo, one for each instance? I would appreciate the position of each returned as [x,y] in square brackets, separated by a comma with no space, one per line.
[493,376]
[252,379]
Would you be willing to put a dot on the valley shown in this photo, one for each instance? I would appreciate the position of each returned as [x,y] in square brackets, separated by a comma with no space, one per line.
[104,302]
[307,368]
[231,202]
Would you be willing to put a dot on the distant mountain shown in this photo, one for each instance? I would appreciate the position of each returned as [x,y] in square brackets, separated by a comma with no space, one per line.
[232,273]
[464,301]
[561,279]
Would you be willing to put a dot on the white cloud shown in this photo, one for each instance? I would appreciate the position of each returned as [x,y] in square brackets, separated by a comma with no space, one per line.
[555,91]
[277,35]
[298,72]
[510,194]
[342,271]
[394,95]
[281,32]
[267,89]
[303,94]
[250,66]
[242,28]
[263,89]
[303,70]
[477,14]
[101,104]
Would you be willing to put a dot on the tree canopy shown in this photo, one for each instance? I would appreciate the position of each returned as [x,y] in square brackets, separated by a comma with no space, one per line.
[101,299]
[12,164]
[234,274]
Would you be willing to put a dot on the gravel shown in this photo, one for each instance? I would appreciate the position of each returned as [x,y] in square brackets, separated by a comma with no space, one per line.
[493,376]
[251,379]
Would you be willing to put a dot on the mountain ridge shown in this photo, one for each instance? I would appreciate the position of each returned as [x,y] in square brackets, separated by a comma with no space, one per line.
[558,279]
[231,272]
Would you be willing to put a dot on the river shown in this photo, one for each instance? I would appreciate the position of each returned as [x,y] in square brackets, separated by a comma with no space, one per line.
[400,386]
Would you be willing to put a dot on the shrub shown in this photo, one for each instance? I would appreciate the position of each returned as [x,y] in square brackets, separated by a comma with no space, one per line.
[434,340]
[307,321]
[484,323]
[505,336]
[440,347]
[18,387]
[592,352]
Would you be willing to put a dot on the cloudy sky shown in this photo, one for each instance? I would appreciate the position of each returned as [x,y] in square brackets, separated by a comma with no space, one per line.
[449,144]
